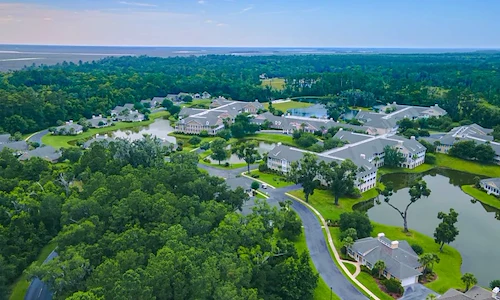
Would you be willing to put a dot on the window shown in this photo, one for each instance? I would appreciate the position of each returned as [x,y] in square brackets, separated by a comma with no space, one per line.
[385,273]
[369,265]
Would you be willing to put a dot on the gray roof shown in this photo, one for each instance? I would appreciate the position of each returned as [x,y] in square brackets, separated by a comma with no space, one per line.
[68,127]
[493,182]
[4,138]
[158,99]
[129,106]
[475,293]
[133,116]
[401,262]
[45,152]
[350,136]
[16,146]
[94,121]
[210,118]
[188,111]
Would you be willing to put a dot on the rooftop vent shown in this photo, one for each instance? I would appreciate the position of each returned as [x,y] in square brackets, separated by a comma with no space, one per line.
[279,143]
[380,235]
[412,137]
[495,293]
[363,156]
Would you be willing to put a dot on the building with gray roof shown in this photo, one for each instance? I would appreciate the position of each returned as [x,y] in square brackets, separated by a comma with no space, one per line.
[98,121]
[473,132]
[104,139]
[386,119]
[474,293]
[70,128]
[401,262]
[45,152]
[18,147]
[4,138]
[491,185]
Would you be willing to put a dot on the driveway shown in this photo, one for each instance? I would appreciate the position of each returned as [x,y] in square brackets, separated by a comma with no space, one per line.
[37,289]
[37,137]
[416,291]
[315,239]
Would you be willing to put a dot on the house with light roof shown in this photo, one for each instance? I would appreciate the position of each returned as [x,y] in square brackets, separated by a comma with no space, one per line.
[401,261]
[491,185]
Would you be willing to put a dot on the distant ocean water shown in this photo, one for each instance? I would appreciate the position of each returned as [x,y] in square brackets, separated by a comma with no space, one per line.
[14,57]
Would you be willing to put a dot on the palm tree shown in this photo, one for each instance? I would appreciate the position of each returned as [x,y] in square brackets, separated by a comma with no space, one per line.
[427,260]
[380,266]
[431,297]
[469,279]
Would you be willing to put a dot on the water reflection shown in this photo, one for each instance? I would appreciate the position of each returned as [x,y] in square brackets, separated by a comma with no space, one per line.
[159,128]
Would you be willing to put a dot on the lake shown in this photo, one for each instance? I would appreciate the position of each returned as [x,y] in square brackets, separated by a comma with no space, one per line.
[479,225]
[233,159]
[316,110]
[159,128]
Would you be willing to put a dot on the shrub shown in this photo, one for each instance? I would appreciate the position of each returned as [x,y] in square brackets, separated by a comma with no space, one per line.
[430,158]
[357,220]
[203,133]
[195,140]
[207,160]
[205,146]
[255,175]
[255,185]
[226,164]
[495,283]
[393,286]
[418,249]
[263,167]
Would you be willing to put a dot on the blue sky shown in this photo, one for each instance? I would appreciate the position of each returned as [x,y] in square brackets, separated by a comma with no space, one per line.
[257,23]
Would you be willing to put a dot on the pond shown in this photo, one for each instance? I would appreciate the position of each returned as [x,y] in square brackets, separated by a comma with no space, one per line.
[479,225]
[233,159]
[316,110]
[159,128]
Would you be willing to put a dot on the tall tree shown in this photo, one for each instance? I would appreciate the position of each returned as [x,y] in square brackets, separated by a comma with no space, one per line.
[340,178]
[305,172]
[248,152]
[446,232]
[417,191]
[392,157]
[469,280]
[219,151]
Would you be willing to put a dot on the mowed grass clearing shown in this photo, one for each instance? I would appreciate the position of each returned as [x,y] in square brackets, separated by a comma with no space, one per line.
[284,106]
[446,161]
[272,179]
[275,83]
[481,196]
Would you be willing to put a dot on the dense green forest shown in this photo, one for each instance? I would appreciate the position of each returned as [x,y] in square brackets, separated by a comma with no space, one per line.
[467,85]
[130,226]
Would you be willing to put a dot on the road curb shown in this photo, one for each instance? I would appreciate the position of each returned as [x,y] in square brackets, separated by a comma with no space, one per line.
[258,180]
[332,246]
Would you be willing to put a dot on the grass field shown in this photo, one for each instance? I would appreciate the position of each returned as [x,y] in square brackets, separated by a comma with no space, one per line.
[66,141]
[199,102]
[481,196]
[284,106]
[273,138]
[351,268]
[448,269]
[222,166]
[322,291]
[419,169]
[272,179]
[275,83]
[20,287]
[368,281]
[446,161]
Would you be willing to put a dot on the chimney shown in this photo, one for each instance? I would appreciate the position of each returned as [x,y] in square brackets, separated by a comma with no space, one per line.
[93,117]
[394,245]
[388,104]
[394,102]
[279,144]
[70,121]
[380,235]
[106,135]
[97,135]
[412,137]
[400,143]
[436,105]
[363,156]
[495,293]
[340,129]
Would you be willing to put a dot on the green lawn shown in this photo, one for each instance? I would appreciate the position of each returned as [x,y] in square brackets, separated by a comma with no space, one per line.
[481,196]
[448,269]
[222,166]
[351,268]
[322,200]
[199,102]
[419,169]
[66,141]
[273,138]
[290,105]
[272,179]
[368,281]
[322,291]
[20,287]
[446,161]
[275,83]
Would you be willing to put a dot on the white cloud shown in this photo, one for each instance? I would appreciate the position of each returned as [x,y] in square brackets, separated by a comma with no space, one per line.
[138,4]
[209,21]
[221,24]
[202,2]
[243,10]
[47,19]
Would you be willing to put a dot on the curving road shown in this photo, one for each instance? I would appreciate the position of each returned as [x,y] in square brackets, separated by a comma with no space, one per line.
[315,239]
[37,289]
[37,137]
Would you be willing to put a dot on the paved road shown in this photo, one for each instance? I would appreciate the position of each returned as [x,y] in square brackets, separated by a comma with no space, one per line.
[37,137]
[315,239]
[37,289]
